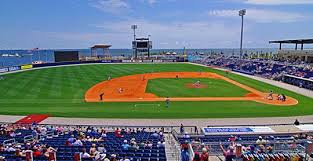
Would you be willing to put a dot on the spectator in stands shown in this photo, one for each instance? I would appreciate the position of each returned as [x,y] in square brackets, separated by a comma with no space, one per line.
[19,155]
[134,146]
[155,134]
[232,138]
[186,136]
[84,153]
[10,148]
[262,149]
[1,148]
[161,144]
[228,154]
[269,150]
[148,144]
[125,145]
[117,133]
[71,140]
[36,152]
[49,150]
[204,155]
[185,144]
[93,150]
[196,157]
[78,142]
[113,157]
[99,156]
[101,149]
[261,141]
[103,134]
[185,155]
[142,144]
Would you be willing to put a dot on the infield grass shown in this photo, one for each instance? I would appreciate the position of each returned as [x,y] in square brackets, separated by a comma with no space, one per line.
[60,92]
[164,87]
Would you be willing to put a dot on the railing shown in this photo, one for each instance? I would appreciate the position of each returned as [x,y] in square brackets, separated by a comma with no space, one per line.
[28,138]
[174,147]
[9,141]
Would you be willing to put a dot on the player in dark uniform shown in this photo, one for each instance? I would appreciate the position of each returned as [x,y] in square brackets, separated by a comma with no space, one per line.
[167,102]
[101,96]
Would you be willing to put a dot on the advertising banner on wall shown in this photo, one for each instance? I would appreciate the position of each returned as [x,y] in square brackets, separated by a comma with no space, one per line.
[4,70]
[29,66]
[15,68]
[236,130]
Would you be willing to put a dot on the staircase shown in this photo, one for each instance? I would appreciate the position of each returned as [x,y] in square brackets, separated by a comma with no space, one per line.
[172,148]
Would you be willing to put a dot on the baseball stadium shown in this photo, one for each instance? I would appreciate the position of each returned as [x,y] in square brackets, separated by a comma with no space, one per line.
[154,104]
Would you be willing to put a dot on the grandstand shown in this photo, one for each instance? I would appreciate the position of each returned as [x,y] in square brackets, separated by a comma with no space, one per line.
[73,101]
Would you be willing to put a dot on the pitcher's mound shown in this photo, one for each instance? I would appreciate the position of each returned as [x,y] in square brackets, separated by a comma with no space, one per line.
[193,85]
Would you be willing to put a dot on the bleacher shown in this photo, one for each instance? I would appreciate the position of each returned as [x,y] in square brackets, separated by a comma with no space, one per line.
[112,144]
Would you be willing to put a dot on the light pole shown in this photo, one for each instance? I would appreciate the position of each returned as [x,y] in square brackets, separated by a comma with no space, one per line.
[149,46]
[134,27]
[241,14]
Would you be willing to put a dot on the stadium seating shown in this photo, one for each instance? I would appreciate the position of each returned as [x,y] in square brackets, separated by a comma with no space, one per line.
[112,144]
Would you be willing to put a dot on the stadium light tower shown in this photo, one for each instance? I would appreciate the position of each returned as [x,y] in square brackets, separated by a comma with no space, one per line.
[134,27]
[241,14]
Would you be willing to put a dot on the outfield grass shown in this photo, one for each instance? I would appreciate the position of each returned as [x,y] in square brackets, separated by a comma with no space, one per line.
[163,87]
[60,92]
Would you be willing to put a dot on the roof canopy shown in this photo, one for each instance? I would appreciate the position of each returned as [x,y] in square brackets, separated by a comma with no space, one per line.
[105,46]
[298,41]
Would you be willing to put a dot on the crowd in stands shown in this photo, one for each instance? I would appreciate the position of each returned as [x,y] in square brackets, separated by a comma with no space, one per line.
[296,73]
[89,143]
[246,147]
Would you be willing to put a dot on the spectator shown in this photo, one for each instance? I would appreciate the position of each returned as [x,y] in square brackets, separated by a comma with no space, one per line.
[228,154]
[261,141]
[78,142]
[93,150]
[196,157]
[155,134]
[297,122]
[84,153]
[71,140]
[125,145]
[36,152]
[204,155]
[101,149]
[185,155]
[161,144]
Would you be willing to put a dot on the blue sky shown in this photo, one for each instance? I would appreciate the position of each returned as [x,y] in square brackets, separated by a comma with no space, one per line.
[49,24]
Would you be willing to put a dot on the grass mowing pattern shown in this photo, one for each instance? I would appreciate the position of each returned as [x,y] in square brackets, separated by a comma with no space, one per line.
[60,91]
[164,87]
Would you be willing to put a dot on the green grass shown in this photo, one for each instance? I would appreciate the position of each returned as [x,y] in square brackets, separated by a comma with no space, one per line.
[60,92]
[163,87]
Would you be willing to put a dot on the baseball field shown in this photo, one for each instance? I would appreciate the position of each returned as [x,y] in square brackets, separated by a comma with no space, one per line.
[194,91]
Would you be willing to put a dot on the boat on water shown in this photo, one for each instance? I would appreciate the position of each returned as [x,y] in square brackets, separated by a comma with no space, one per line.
[11,55]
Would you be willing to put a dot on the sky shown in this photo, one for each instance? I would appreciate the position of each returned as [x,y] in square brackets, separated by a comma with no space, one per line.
[172,24]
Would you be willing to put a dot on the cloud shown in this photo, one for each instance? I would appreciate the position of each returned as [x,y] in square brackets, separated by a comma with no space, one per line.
[261,15]
[278,2]
[110,6]
[151,2]
[195,34]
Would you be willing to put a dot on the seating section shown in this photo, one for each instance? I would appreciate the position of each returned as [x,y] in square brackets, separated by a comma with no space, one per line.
[254,147]
[112,144]
[268,69]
